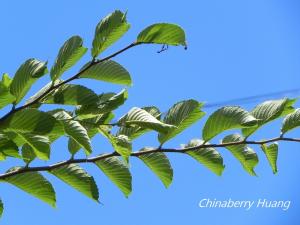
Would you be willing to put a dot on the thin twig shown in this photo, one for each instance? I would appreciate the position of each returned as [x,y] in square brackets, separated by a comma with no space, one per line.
[137,154]
[76,76]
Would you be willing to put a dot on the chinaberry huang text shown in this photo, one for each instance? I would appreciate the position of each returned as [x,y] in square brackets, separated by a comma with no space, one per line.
[245,204]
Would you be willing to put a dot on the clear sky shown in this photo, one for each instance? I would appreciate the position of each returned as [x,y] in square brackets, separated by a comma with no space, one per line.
[236,49]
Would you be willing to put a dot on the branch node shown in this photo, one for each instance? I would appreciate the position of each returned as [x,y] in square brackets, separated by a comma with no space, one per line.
[163,48]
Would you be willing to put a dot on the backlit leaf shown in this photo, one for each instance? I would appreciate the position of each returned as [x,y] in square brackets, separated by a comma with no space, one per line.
[74,130]
[28,154]
[163,33]
[140,117]
[291,121]
[105,104]
[5,96]
[226,118]
[39,144]
[34,184]
[117,171]
[269,111]
[72,94]
[271,152]
[108,71]
[30,121]
[182,115]
[121,143]
[246,156]
[1,208]
[71,51]
[8,148]
[78,178]
[159,164]
[108,31]
[209,156]
[136,131]
[26,75]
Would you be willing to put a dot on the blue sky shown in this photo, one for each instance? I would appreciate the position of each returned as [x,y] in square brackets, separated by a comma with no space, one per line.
[236,49]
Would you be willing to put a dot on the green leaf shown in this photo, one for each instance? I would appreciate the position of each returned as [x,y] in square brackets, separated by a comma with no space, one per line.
[182,115]
[95,122]
[159,164]
[69,54]
[163,33]
[5,96]
[29,121]
[39,144]
[73,146]
[291,121]
[140,117]
[108,31]
[241,152]
[121,143]
[72,94]
[40,93]
[57,132]
[271,153]
[6,80]
[153,110]
[106,103]
[34,184]
[28,154]
[91,125]
[226,118]
[118,172]
[13,137]
[26,75]
[1,208]
[74,130]
[78,178]
[8,148]
[209,156]
[108,71]
[136,131]
[269,111]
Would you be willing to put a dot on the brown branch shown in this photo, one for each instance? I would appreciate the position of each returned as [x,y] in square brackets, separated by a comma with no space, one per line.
[76,76]
[137,154]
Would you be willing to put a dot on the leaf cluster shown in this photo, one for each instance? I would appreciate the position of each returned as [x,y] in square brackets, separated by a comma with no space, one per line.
[27,132]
